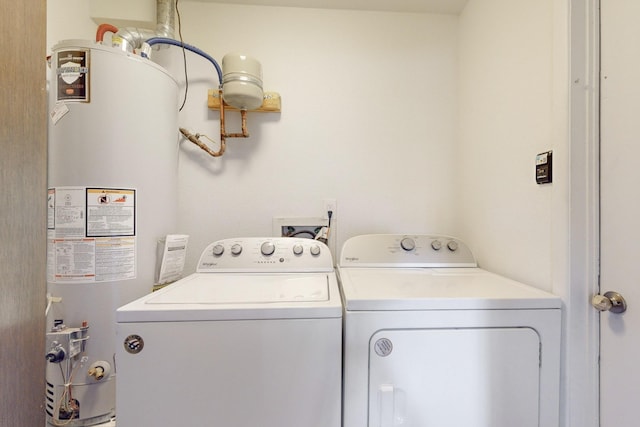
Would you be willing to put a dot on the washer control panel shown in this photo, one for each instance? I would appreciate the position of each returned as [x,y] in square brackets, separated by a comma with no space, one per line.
[408,250]
[265,254]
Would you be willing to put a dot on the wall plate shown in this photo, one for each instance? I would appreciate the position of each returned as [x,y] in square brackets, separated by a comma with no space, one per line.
[544,170]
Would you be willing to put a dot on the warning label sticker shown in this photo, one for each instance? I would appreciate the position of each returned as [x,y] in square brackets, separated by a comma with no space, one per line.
[111,212]
[92,234]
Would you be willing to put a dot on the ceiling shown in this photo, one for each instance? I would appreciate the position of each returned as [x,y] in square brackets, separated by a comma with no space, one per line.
[416,6]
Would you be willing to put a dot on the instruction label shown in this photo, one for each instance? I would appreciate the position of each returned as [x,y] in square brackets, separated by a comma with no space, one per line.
[91,234]
[172,253]
[110,212]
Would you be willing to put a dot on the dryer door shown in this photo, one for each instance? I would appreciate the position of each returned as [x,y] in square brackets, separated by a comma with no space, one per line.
[476,377]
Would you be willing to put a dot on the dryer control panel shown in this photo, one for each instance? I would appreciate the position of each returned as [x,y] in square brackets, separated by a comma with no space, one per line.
[406,250]
[266,254]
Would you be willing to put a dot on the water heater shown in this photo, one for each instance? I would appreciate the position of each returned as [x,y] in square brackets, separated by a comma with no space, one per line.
[113,158]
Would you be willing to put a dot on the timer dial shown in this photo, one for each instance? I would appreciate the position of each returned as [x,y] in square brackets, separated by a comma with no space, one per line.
[408,244]
[267,248]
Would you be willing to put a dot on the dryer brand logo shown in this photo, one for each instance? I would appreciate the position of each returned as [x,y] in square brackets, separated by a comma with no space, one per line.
[352,258]
[383,347]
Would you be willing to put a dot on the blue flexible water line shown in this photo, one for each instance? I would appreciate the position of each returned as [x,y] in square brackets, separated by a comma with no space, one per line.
[164,40]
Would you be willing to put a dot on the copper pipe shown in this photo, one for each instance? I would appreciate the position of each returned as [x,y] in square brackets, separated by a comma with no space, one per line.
[223,132]
[244,133]
[196,140]
[222,129]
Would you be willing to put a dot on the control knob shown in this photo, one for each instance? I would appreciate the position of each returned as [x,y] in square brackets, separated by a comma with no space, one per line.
[218,250]
[236,249]
[297,249]
[408,244]
[56,354]
[315,250]
[452,245]
[436,245]
[267,248]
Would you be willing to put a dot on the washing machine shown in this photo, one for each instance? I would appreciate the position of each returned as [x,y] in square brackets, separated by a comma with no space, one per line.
[253,338]
[431,339]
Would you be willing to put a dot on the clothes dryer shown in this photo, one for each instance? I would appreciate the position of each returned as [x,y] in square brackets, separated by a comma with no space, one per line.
[430,339]
[253,338]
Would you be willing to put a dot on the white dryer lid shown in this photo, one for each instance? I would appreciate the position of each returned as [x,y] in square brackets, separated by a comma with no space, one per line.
[379,289]
[222,296]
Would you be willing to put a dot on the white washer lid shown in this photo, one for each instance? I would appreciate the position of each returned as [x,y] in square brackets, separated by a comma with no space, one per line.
[380,289]
[222,296]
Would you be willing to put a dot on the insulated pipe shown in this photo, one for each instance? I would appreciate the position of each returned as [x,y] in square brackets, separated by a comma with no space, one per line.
[132,38]
[165,18]
[163,40]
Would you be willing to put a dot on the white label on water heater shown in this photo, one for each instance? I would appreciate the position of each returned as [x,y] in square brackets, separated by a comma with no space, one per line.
[111,212]
[58,112]
[92,234]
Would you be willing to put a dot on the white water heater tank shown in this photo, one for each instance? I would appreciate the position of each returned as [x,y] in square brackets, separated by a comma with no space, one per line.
[113,158]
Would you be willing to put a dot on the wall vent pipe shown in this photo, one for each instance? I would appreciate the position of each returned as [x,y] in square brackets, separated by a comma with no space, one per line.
[165,18]
[132,38]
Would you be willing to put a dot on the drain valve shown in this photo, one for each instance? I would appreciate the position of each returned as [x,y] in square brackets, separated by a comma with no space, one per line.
[99,370]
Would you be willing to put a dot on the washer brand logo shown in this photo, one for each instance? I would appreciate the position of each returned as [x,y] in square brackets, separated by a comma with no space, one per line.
[352,258]
[383,347]
[209,264]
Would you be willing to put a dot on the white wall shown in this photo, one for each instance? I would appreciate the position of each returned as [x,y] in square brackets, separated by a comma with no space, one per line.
[368,118]
[515,64]
[506,99]
[413,122]
[68,19]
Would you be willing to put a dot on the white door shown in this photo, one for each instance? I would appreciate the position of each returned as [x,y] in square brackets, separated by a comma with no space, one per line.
[620,211]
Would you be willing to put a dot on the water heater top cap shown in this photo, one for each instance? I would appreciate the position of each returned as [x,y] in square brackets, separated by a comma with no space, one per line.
[242,81]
